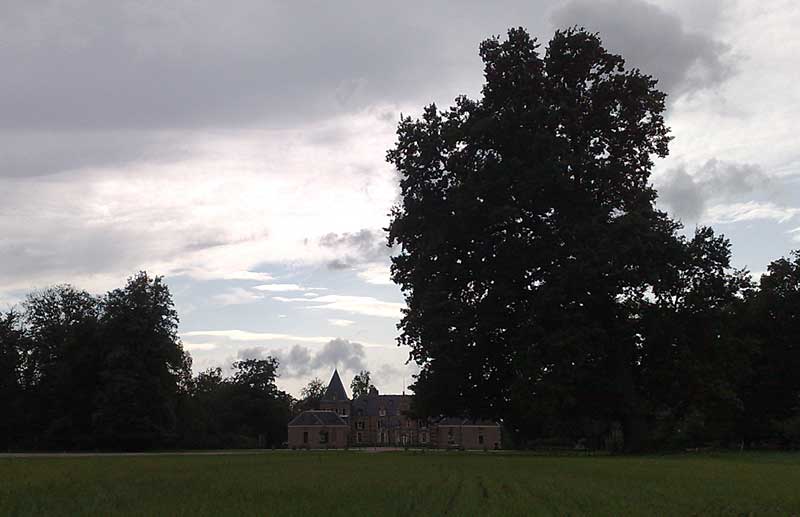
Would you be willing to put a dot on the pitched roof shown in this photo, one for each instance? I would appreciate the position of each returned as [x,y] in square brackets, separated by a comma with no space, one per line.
[459,421]
[335,389]
[315,417]
[370,405]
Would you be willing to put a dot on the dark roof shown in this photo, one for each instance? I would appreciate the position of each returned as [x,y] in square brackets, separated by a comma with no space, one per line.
[458,421]
[370,405]
[335,389]
[315,417]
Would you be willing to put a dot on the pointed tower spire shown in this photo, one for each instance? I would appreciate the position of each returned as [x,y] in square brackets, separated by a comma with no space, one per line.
[335,389]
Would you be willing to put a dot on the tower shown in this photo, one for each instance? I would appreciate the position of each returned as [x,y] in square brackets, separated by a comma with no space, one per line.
[335,398]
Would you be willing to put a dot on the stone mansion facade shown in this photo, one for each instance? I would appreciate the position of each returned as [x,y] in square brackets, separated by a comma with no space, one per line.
[376,420]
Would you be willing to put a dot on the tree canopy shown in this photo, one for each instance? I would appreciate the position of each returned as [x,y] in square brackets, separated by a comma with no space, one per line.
[361,384]
[543,286]
[79,371]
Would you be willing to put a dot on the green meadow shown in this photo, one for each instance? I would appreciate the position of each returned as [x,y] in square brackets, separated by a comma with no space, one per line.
[401,483]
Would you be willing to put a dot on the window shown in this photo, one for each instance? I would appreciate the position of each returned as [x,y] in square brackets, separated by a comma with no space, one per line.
[383,437]
[381,424]
[450,438]
[359,438]
[305,436]
[360,424]
[423,437]
[480,439]
[344,411]
[382,412]
[323,437]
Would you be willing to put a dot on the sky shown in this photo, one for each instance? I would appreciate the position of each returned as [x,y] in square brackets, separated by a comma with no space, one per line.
[238,149]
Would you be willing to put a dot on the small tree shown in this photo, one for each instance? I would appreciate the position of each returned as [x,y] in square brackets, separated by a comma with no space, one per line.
[311,394]
[361,384]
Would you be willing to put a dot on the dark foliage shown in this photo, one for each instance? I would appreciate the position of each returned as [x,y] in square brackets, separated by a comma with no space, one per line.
[361,384]
[79,372]
[545,289]
[311,395]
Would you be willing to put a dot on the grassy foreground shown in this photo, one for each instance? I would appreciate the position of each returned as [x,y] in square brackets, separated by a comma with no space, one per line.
[401,483]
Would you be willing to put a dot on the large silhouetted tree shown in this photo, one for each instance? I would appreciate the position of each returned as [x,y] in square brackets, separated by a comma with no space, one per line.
[529,238]
[144,366]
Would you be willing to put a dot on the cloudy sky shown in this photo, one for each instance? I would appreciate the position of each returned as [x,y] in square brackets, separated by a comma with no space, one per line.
[237,148]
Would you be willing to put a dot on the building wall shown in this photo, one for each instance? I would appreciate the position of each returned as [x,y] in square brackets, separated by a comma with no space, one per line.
[480,437]
[383,430]
[468,436]
[337,437]
[340,407]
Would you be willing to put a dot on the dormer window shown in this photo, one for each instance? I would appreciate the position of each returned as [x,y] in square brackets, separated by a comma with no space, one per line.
[382,412]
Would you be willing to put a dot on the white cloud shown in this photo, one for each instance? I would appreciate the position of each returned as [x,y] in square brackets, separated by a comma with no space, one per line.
[237,296]
[749,211]
[365,305]
[340,323]
[243,335]
[248,197]
[376,273]
[192,347]
[279,287]
[205,274]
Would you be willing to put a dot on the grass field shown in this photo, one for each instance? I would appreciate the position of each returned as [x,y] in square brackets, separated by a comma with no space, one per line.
[402,483]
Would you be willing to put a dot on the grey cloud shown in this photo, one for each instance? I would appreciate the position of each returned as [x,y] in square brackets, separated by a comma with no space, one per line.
[84,83]
[300,361]
[682,195]
[356,248]
[339,264]
[297,362]
[687,195]
[653,40]
[37,153]
[131,64]
[341,353]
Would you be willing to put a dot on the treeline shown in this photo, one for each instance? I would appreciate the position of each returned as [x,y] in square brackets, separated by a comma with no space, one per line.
[82,372]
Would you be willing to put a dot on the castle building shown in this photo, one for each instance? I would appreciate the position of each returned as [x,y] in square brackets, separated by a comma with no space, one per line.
[375,420]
